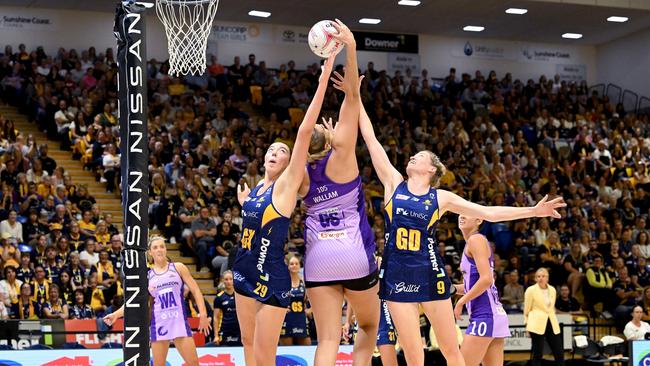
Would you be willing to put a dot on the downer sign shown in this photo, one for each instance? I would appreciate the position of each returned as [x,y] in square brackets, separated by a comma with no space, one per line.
[386,42]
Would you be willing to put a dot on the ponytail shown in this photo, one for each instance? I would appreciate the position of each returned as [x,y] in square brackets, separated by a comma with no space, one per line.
[440,169]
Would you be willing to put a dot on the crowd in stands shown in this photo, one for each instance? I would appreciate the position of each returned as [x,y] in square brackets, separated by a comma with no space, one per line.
[504,142]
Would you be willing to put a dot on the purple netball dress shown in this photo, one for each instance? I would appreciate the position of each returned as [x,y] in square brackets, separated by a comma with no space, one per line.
[486,315]
[340,243]
[168,316]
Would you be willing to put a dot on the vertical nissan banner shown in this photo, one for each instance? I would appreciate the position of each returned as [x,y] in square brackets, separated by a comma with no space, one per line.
[132,90]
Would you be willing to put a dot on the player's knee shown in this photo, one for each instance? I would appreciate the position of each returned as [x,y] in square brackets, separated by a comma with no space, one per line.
[369,326]
[247,340]
[450,349]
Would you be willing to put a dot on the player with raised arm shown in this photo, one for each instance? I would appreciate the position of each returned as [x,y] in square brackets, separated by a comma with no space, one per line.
[339,243]
[262,281]
[168,313]
[412,271]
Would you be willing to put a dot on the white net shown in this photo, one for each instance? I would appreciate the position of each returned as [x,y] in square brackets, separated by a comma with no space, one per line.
[187,24]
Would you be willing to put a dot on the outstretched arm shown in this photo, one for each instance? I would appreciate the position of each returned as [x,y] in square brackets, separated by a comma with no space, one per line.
[345,138]
[292,176]
[449,201]
[388,175]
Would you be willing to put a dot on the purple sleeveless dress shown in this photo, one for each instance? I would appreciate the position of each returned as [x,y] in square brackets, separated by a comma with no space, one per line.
[339,241]
[168,315]
[486,315]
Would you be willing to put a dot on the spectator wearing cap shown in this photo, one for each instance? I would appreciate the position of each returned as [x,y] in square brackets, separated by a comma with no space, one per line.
[10,286]
[26,307]
[9,252]
[12,226]
[56,232]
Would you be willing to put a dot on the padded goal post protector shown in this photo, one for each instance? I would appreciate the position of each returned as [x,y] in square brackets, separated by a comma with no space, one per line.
[132,91]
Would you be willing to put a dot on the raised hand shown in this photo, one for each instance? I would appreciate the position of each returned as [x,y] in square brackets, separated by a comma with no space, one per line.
[327,67]
[546,208]
[242,192]
[329,125]
[344,34]
[344,84]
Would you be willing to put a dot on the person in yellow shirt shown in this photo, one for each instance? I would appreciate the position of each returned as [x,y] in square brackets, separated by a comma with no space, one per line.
[86,225]
[107,117]
[102,236]
[541,322]
[97,302]
[176,88]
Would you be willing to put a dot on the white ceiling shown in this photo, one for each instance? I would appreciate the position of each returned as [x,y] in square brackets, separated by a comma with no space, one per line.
[546,20]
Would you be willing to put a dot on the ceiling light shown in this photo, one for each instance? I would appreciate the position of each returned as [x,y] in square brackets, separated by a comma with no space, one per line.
[369,21]
[516,11]
[572,35]
[473,28]
[617,19]
[261,14]
[409,2]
